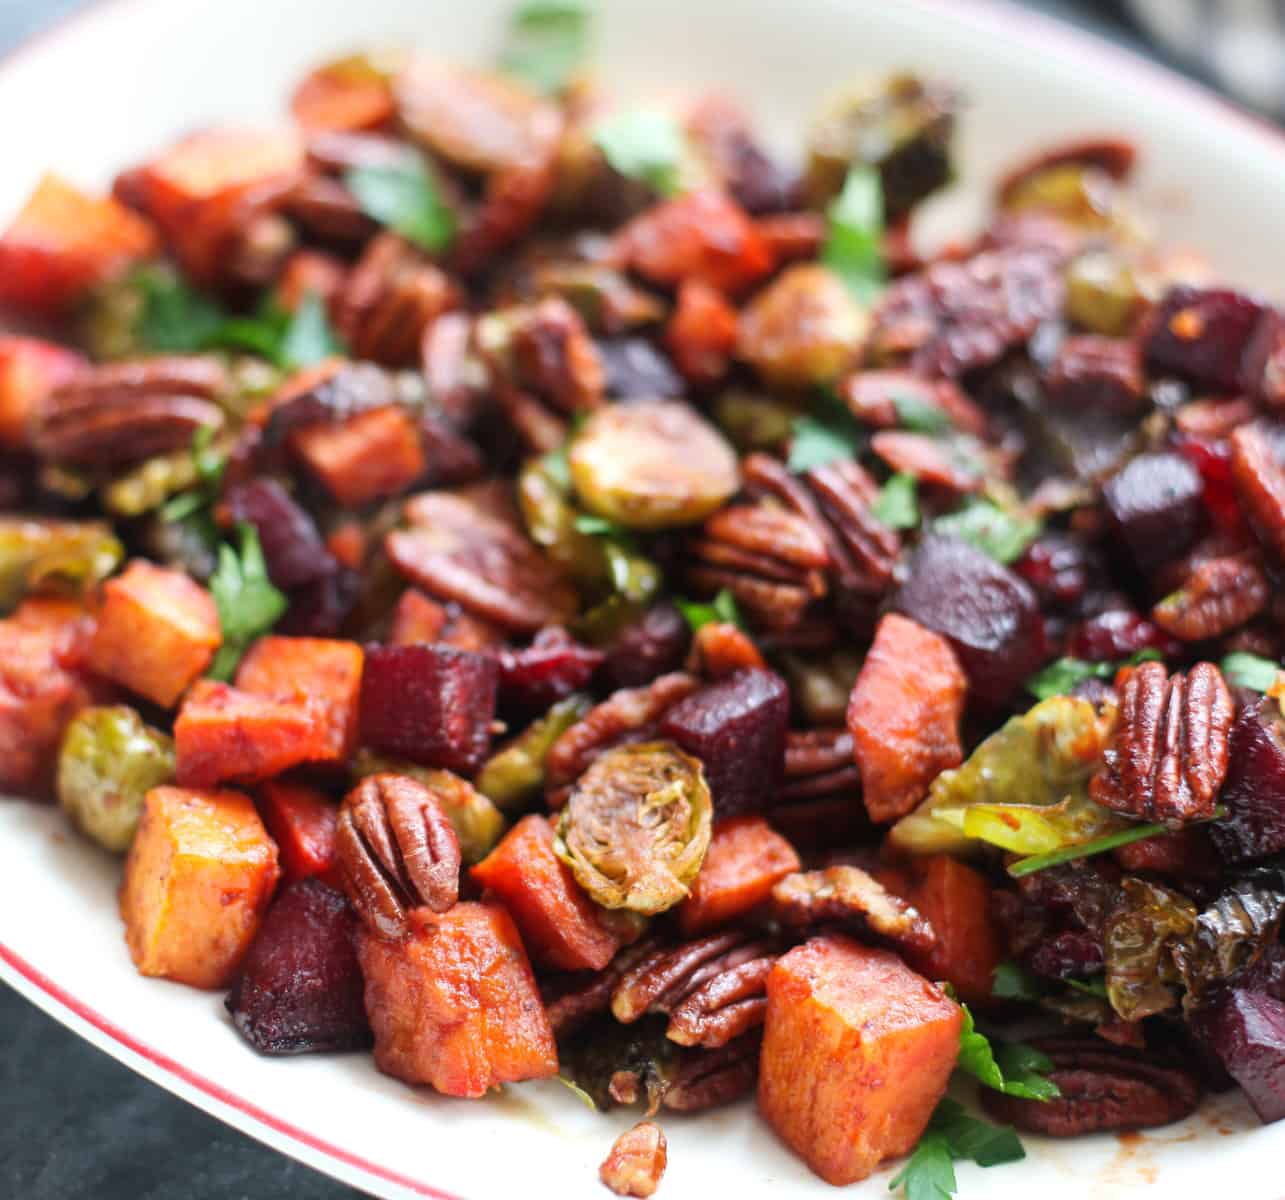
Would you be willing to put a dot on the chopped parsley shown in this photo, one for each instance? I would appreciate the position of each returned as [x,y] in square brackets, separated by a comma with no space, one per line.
[995,531]
[405,198]
[248,603]
[646,144]
[953,1135]
[919,416]
[1013,1068]
[897,504]
[1059,677]
[547,43]
[853,247]
[722,608]
[825,435]
[1242,669]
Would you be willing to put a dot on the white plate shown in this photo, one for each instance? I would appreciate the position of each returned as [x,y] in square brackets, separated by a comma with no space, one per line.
[126,77]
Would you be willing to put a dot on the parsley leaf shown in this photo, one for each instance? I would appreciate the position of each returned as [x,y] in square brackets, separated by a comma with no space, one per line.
[645,144]
[308,338]
[830,432]
[954,1134]
[599,526]
[1010,981]
[405,198]
[853,247]
[248,604]
[1060,676]
[897,504]
[1001,534]
[174,316]
[1010,1067]
[1242,669]
[195,504]
[722,608]
[930,1172]
[547,42]
[919,416]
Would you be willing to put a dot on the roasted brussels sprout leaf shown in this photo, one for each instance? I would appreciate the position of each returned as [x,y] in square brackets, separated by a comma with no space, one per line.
[405,197]
[108,762]
[514,775]
[637,826]
[67,557]
[1141,930]
[248,604]
[1009,1067]
[547,43]
[610,1064]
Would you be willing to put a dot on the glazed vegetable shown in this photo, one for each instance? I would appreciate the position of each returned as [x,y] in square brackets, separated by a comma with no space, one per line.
[53,556]
[513,775]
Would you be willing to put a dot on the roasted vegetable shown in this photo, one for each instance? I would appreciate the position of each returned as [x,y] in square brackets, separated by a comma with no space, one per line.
[62,557]
[515,774]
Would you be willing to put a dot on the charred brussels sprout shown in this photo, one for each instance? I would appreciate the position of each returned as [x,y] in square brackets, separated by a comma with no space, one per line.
[1102,293]
[148,485]
[901,126]
[58,556]
[108,762]
[652,465]
[637,826]
[609,1062]
[1138,942]
[512,776]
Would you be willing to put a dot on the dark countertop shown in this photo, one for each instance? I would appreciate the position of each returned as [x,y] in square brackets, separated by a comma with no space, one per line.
[74,1123]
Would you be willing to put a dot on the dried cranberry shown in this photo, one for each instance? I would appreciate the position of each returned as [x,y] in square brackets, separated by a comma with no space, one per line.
[319,609]
[1211,456]
[300,989]
[636,370]
[1254,790]
[1157,505]
[653,645]
[292,547]
[1059,567]
[989,614]
[1201,334]
[736,727]
[1247,1031]
[1072,954]
[430,704]
[1116,635]
[551,668]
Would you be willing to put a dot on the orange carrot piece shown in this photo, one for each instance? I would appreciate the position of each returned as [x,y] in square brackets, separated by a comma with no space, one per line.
[368,457]
[745,860]
[417,619]
[561,927]
[322,675]
[302,822]
[720,648]
[701,333]
[455,1004]
[224,734]
[29,370]
[64,242]
[199,877]
[857,1050]
[904,716]
[157,631]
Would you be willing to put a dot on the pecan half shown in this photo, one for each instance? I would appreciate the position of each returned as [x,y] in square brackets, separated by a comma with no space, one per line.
[397,850]
[1220,595]
[846,893]
[724,1007]
[636,1162]
[326,207]
[1104,1087]
[125,412]
[1170,751]
[818,804]
[576,1000]
[706,1079]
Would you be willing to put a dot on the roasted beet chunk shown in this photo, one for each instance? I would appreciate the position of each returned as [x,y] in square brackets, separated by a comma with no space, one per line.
[989,614]
[736,727]
[1202,334]
[300,989]
[1264,368]
[292,547]
[636,370]
[653,645]
[548,670]
[1156,502]
[1254,791]
[430,704]
[1247,1032]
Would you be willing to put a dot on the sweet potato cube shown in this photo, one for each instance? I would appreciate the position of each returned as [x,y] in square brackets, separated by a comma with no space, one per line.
[29,370]
[348,96]
[204,189]
[41,689]
[63,243]
[561,927]
[745,860]
[225,734]
[302,822]
[198,880]
[455,1004]
[365,458]
[417,619]
[322,674]
[857,1050]
[904,716]
[157,631]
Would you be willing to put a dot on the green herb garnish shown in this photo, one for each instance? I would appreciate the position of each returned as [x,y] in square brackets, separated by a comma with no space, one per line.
[596,526]
[1242,669]
[853,247]
[993,530]
[248,604]
[897,504]
[308,338]
[548,41]
[919,416]
[646,144]
[405,198]
[825,435]
[194,505]
[953,1135]
[1013,1068]
[1010,981]
[1059,677]
[175,318]
[722,608]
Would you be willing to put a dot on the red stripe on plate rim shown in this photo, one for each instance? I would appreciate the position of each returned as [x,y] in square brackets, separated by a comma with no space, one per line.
[215,1091]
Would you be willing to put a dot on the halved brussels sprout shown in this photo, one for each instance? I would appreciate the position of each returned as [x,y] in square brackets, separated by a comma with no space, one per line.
[652,465]
[148,485]
[1138,942]
[477,822]
[59,556]
[636,827]
[753,421]
[1079,193]
[108,762]
[512,776]
[1025,788]
[1102,293]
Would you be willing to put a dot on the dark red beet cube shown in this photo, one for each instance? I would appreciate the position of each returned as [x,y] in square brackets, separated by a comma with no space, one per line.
[1156,502]
[1264,368]
[1254,790]
[655,644]
[292,548]
[431,704]
[300,989]
[1247,1032]
[989,614]
[736,727]
[548,670]
[319,608]
[1201,334]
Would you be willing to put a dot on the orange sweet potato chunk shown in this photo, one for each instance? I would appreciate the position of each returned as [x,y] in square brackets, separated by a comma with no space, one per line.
[157,631]
[417,619]
[701,333]
[302,822]
[29,370]
[320,674]
[63,242]
[198,879]
[745,860]
[349,96]
[225,734]
[561,927]
[857,1051]
[904,716]
[368,457]
[455,1004]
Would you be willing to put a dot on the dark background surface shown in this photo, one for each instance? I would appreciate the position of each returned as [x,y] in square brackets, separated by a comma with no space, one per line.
[75,1124]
